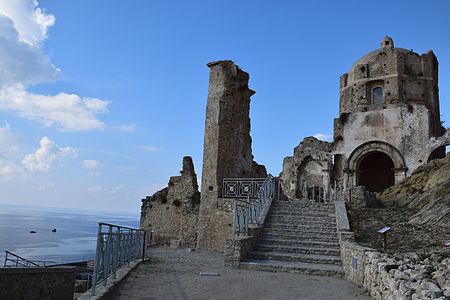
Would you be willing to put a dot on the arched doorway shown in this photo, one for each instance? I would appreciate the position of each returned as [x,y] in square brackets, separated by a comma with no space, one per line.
[376,171]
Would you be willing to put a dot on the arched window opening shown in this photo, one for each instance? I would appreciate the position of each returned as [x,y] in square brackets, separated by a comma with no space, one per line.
[377,95]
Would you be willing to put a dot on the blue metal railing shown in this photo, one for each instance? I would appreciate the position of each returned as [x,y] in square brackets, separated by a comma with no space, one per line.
[252,211]
[117,246]
[15,261]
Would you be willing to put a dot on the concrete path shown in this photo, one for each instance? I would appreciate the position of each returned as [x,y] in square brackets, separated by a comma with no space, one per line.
[175,274]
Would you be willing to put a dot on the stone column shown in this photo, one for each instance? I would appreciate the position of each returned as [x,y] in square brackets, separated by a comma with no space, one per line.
[227,149]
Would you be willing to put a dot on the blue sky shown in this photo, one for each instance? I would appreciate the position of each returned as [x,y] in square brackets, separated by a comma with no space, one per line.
[100,100]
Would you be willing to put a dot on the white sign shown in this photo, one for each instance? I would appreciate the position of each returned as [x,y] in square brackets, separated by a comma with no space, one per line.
[384,229]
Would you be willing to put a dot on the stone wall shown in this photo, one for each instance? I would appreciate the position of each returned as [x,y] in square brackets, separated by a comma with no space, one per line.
[385,276]
[238,249]
[227,151]
[310,164]
[37,283]
[172,213]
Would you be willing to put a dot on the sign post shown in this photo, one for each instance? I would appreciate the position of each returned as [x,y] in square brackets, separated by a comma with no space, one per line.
[384,232]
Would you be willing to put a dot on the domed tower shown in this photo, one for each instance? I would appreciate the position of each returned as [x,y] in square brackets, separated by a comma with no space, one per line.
[388,114]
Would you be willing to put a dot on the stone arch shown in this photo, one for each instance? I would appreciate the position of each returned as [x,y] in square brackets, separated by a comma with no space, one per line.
[309,171]
[437,150]
[369,148]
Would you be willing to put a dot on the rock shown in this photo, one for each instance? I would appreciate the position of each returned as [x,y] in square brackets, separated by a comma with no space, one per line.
[429,289]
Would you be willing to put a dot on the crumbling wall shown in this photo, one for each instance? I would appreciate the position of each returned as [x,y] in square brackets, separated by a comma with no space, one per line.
[310,164]
[172,213]
[227,151]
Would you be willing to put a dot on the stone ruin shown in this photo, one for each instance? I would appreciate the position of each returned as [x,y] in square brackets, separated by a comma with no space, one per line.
[388,125]
[172,212]
[176,212]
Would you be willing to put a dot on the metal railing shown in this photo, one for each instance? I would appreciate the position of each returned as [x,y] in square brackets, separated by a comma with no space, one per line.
[339,193]
[241,187]
[117,246]
[15,261]
[252,211]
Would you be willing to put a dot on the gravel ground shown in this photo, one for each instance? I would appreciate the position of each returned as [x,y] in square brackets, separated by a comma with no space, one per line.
[175,274]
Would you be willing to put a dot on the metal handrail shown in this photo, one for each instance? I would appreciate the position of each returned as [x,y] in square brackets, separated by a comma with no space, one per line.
[19,261]
[117,246]
[252,211]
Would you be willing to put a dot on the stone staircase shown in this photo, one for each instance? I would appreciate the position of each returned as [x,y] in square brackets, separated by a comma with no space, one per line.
[298,237]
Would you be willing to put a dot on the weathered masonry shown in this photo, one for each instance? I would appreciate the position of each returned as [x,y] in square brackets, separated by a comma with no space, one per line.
[172,213]
[388,125]
[227,150]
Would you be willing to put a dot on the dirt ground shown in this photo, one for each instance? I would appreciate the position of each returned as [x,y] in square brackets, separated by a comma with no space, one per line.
[175,274]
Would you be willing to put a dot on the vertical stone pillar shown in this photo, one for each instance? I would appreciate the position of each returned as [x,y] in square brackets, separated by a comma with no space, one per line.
[227,149]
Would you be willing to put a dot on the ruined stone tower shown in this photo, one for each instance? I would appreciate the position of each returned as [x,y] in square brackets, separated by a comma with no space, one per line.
[388,114]
[227,151]
[388,125]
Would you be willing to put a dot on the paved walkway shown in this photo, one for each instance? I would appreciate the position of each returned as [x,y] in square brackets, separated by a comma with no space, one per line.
[175,274]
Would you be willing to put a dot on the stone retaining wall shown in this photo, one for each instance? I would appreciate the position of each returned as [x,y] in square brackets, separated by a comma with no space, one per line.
[387,276]
[237,250]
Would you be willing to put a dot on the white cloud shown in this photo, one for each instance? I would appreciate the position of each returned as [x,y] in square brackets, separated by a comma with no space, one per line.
[9,150]
[126,127]
[9,170]
[45,156]
[93,166]
[324,137]
[149,148]
[31,22]
[68,111]
[105,189]
[23,30]
[9,142]
[39,161]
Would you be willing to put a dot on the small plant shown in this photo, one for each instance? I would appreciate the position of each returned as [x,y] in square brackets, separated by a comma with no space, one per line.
[177,202]
[423,255]
[429,271]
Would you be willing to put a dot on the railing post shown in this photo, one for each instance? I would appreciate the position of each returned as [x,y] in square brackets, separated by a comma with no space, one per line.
[234,219]
[97,259]
[143,244]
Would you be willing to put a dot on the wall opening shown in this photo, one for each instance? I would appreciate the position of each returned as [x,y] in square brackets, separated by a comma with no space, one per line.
[377,95]
[376,172]
[439,153]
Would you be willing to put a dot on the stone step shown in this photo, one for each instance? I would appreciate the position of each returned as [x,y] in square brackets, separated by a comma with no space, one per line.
[296,249]
[299,220]
[297,242]
[301,215]
[297,257]
[325,237]
[300,210]
[328,238]
[307,206]
[292,267]
[315,226]
[301,230]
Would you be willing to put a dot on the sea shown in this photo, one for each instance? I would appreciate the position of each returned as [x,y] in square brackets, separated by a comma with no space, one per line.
[74,240]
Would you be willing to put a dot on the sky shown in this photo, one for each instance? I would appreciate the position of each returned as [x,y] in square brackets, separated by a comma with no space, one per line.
[100,100]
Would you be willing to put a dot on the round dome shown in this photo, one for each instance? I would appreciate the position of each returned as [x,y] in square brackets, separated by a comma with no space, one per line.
[387,45]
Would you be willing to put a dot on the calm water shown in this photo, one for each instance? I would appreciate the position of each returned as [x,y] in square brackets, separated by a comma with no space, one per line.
[74,240]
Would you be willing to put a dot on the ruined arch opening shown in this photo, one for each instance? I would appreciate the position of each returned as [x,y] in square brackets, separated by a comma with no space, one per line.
[440,152]
[376,171]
